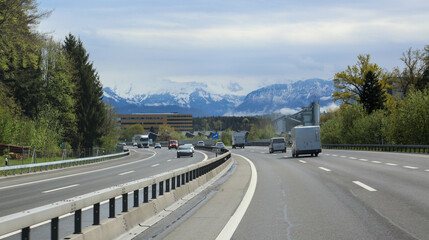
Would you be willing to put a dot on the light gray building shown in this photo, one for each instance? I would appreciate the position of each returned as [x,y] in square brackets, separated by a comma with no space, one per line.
[308,116]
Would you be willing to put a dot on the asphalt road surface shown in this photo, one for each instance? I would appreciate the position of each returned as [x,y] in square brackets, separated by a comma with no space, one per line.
[338,195]
[21,192]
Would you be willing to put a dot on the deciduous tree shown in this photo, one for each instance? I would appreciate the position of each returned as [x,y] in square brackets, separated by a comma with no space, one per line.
[350,82]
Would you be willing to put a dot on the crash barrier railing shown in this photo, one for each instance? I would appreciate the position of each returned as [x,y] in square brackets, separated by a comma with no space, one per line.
[165,182]
[377,147]
[57,164]
[260,142]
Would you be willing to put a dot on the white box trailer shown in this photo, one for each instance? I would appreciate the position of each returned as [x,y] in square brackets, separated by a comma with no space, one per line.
[238,139]
[306,140]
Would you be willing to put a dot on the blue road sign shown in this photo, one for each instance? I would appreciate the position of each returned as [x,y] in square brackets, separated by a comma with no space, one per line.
[215,136]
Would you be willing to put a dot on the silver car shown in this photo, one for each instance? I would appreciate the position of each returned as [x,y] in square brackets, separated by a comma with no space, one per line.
[185,150]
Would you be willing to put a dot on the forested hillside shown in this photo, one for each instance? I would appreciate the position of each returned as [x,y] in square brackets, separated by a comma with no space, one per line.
[50,91]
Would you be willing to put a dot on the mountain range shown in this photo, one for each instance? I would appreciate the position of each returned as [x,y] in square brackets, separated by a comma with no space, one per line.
[198,101]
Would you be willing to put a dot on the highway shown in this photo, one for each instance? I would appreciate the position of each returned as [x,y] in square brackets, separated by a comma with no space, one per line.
[21,192]
[338,195]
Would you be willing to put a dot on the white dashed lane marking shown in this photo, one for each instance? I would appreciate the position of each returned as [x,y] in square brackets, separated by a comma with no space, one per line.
[392,164]
[61,188]
[155,165]
[125,173]
[302,161]
[364,186]
[411,167]
[325,169]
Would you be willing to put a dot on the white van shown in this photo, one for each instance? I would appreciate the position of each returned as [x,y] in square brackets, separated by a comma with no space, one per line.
[306,140]
[277,144]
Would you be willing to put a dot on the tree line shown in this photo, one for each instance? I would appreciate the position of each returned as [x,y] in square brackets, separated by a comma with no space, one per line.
[50,91]
[381,107]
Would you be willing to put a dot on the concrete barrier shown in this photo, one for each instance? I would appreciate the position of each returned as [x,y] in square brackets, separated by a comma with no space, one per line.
[124,222]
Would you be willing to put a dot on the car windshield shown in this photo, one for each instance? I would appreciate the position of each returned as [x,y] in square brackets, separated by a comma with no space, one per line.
[278,140]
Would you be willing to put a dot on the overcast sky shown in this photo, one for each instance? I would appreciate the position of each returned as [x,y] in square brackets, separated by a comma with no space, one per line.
[235,46]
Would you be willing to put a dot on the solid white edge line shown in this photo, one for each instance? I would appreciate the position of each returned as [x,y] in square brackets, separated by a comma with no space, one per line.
[61,188]
[364,186]
[325,169]
[233,222]
[205,156]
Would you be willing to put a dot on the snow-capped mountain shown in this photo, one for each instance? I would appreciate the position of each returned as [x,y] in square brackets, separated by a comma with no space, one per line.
[198,103]
[287,96]
[197,100]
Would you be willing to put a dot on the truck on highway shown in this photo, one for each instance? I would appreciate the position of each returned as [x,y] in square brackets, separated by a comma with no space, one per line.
[143,141]
[306,140]
[239,139]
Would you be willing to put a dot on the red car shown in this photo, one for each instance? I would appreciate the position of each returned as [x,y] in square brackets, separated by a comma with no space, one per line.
[173,144]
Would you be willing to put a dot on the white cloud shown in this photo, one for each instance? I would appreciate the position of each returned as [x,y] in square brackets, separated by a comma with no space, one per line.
[143,44]
[331,107]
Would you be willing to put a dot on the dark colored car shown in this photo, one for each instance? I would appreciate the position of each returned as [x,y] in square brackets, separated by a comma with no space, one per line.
[173,144]
[185,150]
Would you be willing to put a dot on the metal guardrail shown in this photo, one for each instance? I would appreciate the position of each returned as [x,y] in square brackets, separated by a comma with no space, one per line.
[159,183]
[60,164]
[377,147]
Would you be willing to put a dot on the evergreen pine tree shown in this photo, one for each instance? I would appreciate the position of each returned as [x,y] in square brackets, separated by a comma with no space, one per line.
[372,96]
[90,110]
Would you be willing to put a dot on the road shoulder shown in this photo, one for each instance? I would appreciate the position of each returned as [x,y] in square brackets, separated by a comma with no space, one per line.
[221,202]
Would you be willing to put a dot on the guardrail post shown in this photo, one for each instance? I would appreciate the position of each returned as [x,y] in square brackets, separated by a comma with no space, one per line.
[161,188]
[145,194]
[183,179]
[136,198]
[54,228]
[25,233]
[167,185]
[78,221]
[125,202]
[178,181]
[96,214]
[187,177]
[173,183]
[154,191]
[112,208]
